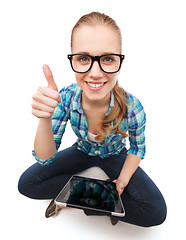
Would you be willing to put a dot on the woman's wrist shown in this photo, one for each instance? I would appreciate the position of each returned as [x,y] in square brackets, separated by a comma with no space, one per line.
[121,183]
[124,177]
[124,180]
[44,144]
[129,167]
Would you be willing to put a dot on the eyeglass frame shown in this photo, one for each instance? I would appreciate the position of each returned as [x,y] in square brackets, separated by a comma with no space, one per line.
[97,59]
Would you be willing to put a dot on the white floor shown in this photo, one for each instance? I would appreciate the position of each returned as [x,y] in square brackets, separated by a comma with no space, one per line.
[73,224]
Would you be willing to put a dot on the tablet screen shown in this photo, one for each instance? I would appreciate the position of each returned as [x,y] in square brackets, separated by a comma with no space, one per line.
[92,194]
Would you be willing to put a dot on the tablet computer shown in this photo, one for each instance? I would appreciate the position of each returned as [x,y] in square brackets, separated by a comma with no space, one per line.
[93,194]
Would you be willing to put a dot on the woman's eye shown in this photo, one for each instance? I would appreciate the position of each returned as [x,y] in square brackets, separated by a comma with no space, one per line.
[83,59]
[107,60]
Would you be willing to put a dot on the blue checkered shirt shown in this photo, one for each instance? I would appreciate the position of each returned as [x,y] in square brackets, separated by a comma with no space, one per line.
[71,109]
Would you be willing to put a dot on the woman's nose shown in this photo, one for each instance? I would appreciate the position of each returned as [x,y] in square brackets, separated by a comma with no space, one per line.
[95,70]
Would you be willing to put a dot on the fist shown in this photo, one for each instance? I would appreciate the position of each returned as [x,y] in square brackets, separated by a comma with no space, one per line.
[46,99]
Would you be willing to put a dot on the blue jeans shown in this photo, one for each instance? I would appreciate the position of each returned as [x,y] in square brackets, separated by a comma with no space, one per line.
[143,202]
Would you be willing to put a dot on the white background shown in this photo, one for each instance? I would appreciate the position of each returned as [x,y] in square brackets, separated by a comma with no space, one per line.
[154,41]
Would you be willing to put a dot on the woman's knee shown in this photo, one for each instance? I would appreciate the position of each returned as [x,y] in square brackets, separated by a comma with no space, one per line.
[157,213]
[153,210]
[24,185]
[21,186]
[27,183]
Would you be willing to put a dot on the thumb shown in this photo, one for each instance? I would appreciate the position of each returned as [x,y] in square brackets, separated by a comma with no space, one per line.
[49,77]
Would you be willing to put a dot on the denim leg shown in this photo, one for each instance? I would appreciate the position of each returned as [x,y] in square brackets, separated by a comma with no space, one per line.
[143,202]
[45,182]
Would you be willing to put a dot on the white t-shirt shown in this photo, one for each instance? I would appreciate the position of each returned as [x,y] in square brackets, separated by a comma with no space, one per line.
[92,137]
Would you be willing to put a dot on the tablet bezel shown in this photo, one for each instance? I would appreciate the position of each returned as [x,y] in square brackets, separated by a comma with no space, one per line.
[59,200]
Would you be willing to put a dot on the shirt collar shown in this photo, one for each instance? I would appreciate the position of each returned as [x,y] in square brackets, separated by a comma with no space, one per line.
[76,103]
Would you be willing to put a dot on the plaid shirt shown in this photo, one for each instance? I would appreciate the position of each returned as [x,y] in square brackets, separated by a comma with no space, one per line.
[71,109]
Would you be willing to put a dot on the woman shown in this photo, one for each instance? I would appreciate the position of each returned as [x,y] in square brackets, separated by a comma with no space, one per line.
[102,115]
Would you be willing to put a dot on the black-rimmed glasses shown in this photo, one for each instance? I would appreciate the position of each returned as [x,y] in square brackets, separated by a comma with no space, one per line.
[109,63]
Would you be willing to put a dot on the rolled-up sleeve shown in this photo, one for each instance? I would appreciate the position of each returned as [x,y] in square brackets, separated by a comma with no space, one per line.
[136,129]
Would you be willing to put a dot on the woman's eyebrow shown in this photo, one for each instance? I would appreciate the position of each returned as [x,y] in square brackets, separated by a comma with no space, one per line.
[104,53]
[83,53]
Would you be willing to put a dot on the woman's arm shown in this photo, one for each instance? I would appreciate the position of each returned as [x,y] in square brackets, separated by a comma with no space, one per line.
[131,164]
[45,100]
[136,152]
[44,144]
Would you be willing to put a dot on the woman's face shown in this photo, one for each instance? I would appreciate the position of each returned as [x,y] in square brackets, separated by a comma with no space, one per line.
[96,40]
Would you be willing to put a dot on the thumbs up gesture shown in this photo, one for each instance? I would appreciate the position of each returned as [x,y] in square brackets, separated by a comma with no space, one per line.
[46,99]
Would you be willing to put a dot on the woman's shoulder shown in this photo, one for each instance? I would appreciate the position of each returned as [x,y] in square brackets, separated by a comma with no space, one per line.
[132,101]
[69,94]
[130,98]
[69,90]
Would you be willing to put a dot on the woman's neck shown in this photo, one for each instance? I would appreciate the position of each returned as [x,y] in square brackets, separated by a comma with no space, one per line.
[95,104]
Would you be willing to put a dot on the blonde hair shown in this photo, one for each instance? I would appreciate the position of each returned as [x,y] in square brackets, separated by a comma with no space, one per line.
[110,123]
[94,18]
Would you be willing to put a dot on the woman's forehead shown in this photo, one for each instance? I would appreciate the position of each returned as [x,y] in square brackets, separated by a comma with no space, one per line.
[96,39]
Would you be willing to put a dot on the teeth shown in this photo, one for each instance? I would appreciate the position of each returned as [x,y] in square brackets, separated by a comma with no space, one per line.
[97,85]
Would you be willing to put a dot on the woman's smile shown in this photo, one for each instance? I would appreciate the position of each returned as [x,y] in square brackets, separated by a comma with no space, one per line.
[95,86]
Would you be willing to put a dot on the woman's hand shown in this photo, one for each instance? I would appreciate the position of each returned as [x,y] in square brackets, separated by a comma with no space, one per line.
[131,164]
[120,185]
[46,99]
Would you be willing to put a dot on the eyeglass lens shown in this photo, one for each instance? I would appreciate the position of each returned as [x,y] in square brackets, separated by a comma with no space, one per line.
[108,63]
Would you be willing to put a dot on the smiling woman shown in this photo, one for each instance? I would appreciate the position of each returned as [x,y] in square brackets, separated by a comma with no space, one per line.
[95,105]
[98,48]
